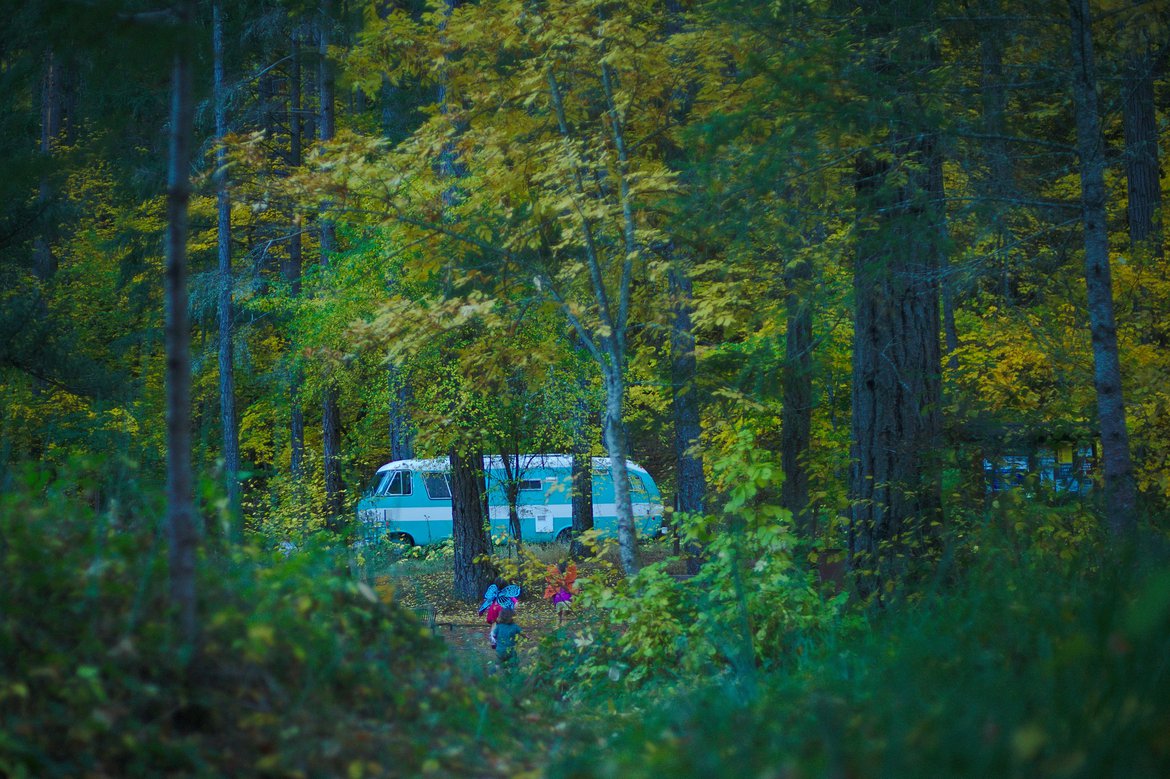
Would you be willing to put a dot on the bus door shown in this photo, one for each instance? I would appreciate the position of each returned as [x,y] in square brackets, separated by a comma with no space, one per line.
[397,512]
[533,500]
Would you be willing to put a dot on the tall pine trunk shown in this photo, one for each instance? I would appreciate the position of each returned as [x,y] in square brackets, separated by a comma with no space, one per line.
[796,408]
[227,381]
[44,260]
[894,484]
[1144,191]
[182,531]
[293,263]
[1120,491]
[400,428]
[692,482]
[997,184]
[330,410]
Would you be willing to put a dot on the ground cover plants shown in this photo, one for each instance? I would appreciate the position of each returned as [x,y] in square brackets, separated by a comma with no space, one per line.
[1024,655]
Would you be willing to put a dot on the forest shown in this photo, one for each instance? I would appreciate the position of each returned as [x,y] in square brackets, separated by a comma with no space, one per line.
[877,292]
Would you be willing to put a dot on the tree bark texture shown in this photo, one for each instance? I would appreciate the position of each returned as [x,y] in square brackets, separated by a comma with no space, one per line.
[513,473]
[182,531]
[469,512]
[331,436]
[1144,191]
[618,447]
[894,484]
[330,410]
[227,381]
[797,399]
[582,496]
[1117,467]
[292,265]
[401,429]
[894,487]
[997,181]
[692,482]
[44,261]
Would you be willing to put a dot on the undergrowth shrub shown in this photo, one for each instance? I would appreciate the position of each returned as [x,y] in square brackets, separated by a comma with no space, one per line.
[1027,663]
[753,606]
[301,671]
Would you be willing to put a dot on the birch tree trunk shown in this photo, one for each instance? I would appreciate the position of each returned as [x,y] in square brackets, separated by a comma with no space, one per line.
[616,443]
[1120,491]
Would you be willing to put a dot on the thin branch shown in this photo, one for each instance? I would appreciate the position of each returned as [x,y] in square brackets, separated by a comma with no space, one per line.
[627,208]
[591,254]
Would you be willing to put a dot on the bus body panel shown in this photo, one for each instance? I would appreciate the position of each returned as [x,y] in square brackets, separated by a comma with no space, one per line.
[410,499]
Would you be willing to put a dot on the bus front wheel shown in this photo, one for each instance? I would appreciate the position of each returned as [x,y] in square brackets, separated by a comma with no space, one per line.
[401,538]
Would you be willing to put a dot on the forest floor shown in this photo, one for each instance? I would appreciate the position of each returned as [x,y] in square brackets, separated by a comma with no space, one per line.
[426,586]
[429,593]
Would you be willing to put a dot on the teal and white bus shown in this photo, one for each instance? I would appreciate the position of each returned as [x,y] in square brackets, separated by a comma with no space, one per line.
[409,501]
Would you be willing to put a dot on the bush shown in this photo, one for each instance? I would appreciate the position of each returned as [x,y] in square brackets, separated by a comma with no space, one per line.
[301,669]
[1026,667]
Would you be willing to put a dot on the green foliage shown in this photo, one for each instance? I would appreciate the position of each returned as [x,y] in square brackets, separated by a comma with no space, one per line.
[753,606]
[301,669]
[1024,666]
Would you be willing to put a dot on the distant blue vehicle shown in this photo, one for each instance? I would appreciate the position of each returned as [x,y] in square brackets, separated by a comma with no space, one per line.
[409,501]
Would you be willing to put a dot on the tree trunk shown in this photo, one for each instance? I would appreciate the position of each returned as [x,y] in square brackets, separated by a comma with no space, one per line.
[331,436]
[616,444]
[330,410]
[582,495]
[1144,192]
[514,529]
[692,482]
[997,185]
[796,409]
[293,265]
[1120,497]
[469,511]
[44,261]
[895,477]
[227,388]
[182,532]
[401,430]
[894,488]
[512,475]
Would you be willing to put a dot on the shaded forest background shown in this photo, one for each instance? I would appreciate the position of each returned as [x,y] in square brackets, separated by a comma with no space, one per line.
[832,272]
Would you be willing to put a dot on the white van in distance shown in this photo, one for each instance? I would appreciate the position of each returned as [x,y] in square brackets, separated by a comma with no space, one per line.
[410,500]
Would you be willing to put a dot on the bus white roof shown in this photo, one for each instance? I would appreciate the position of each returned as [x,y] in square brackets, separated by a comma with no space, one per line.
[527,461]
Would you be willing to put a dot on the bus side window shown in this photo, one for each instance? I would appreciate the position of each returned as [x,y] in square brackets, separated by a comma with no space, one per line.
[400,484]
[638,488]
[437,486]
